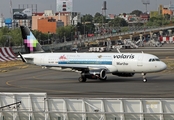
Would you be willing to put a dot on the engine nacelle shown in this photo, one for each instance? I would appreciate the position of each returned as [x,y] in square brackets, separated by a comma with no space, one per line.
[96,73]
[102,74]
[124,74]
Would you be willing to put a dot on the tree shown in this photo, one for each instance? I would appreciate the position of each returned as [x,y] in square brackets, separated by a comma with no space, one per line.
[97,14]
[118,22]
[12,36]
[15,35]
[160,20]
[87,18]
[89,28]
[68,31]
[167,16]
[99,18]
[3,40]
[41,37]
[136,12]
[65,31]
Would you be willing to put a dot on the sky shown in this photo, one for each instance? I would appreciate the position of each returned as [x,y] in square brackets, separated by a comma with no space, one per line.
[86,6]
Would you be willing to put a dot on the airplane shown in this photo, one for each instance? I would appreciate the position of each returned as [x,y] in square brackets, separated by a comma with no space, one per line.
[91,65]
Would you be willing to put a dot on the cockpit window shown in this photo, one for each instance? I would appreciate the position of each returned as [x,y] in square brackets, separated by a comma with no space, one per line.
[157,59]
[153,59]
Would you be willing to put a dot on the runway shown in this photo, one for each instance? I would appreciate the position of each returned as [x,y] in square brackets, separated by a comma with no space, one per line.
[65,84]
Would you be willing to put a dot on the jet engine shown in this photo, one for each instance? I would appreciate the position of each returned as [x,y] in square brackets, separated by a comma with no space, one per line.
[96,73]
[124,74]
[102,74]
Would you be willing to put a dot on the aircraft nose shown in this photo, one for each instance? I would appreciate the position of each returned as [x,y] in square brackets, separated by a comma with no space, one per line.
[163,66]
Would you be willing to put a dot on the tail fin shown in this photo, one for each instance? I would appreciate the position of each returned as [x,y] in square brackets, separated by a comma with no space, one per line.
[30,42]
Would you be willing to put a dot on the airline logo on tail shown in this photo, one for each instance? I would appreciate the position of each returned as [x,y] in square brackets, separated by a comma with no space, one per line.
[31,41]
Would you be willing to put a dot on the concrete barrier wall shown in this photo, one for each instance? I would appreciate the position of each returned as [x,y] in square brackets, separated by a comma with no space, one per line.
[37,106]
[7,54]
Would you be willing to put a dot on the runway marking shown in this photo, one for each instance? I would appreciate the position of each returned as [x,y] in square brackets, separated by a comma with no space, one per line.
[39,89]
[19,69]
[59,81]
[8,83]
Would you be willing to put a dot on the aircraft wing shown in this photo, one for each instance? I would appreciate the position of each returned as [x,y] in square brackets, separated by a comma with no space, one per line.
[80,67]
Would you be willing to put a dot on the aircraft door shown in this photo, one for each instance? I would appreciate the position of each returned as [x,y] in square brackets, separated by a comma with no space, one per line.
[42,60]
[140,60]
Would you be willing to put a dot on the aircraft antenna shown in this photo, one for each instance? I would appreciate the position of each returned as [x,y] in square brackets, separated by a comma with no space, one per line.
[118,50]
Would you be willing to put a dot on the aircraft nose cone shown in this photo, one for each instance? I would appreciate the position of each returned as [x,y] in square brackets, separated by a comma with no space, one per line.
[163,66]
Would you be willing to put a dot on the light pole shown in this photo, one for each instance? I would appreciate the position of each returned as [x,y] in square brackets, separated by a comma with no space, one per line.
[71,38]
[84,30]
[48,36]
[64,37]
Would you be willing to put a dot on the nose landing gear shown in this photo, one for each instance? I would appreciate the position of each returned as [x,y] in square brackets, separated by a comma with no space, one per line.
[144,77]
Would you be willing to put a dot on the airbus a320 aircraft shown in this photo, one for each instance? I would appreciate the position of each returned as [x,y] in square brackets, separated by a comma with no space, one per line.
[91,65]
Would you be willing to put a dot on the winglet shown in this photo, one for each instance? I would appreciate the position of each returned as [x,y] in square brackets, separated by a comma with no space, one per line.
[23,59]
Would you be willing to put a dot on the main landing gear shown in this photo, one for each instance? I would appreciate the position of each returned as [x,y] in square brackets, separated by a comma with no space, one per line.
[82,79]
[86,74]
[144,77]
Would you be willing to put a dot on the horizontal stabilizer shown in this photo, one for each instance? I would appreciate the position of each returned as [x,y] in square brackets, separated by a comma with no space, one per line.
[23,59]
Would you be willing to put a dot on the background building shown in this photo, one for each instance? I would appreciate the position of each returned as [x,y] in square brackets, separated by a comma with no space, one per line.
[160,8]
[61,18]
[154,14]
[111,16]
[64,5]
[144,17]
[47,25]
[166,10]
[2,24]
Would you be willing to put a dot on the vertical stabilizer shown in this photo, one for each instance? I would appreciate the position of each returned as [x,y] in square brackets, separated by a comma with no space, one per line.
[30,42]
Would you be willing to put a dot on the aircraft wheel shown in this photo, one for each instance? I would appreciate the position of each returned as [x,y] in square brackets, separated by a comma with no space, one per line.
[144,80]
[82,79]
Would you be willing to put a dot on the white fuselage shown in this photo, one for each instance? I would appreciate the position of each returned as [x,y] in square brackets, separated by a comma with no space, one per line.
[114,62]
